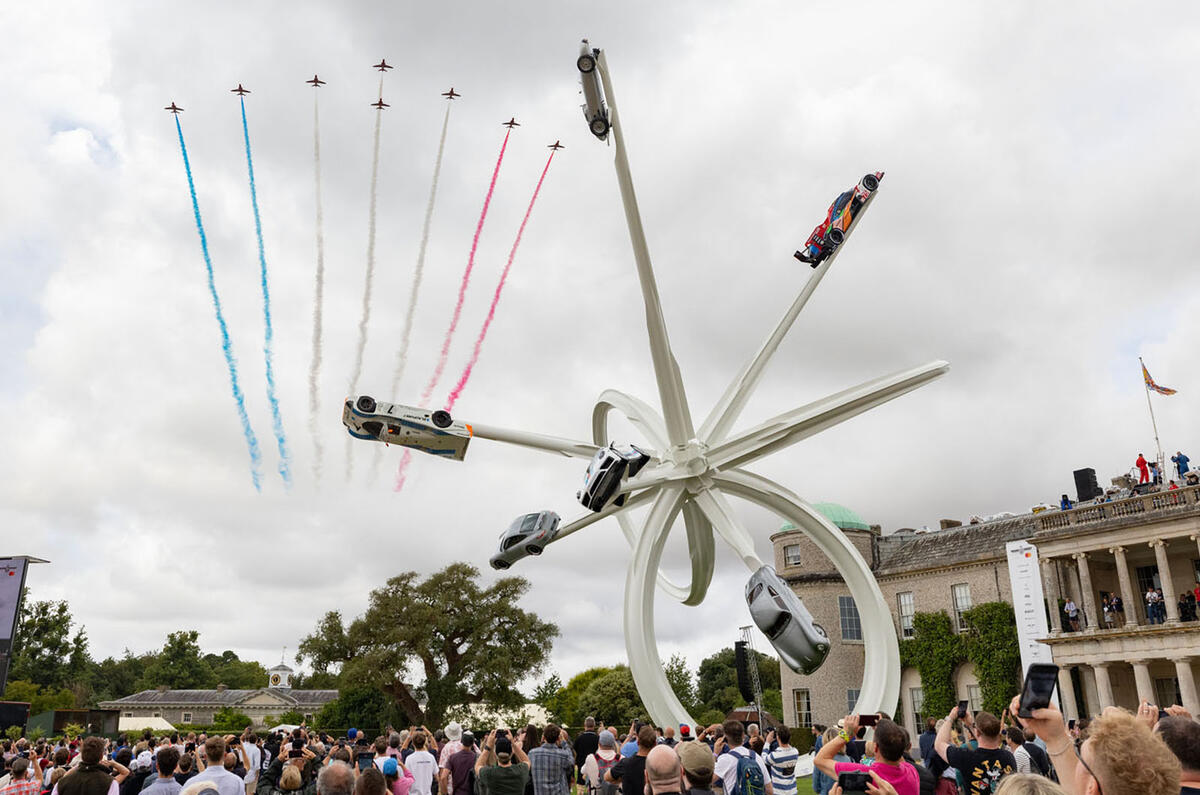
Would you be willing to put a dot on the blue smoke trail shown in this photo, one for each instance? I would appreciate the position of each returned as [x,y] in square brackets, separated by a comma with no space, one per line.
[268,339]
[226,344]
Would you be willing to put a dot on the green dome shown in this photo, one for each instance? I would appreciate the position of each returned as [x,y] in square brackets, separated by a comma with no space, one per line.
[840,515]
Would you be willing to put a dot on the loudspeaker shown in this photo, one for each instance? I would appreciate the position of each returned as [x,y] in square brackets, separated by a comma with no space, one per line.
[13,713]
[1086,486]
[743,671]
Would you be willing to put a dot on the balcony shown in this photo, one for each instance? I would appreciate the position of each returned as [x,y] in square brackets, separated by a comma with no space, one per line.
[1139,508]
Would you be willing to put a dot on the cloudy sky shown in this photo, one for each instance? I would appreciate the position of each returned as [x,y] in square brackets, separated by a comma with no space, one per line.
[1034,229]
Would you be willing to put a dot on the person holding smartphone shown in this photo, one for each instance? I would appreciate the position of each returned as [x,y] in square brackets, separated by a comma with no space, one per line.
[891,742]
[982,767]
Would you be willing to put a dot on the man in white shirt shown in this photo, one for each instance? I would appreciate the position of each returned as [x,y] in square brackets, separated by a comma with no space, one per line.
[253,760]
[214,755]
[727,762]
[422,764]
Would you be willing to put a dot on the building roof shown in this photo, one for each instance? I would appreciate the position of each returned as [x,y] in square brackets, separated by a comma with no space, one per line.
[839,515]
[222,697]
[957,545]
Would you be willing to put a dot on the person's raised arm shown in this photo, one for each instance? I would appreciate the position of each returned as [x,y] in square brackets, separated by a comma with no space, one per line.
[1047,723]
[519,753]
[485,754]
[824,760]
[942,741]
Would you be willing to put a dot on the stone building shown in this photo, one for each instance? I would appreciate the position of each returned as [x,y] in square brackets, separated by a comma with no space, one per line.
[199,706]
[1122,547]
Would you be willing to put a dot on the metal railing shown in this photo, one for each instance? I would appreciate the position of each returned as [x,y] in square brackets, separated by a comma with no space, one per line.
[1141,505]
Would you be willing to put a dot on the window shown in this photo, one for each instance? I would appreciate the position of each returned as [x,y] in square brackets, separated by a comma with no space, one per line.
[158,714]
[848,612]
[1147,578]
[126,714]
[961,595]
[917,696]
[803,707]
[791,555]
[308,718]
[186,717]
[851,700]
[974,698]
[904,601]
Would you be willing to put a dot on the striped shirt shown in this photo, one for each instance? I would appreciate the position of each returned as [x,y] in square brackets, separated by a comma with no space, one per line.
[782,764]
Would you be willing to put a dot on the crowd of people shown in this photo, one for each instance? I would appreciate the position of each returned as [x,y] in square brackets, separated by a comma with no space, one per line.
[1151,752]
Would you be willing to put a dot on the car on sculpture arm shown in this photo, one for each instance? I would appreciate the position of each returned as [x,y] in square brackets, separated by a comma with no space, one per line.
[609,466]
[783,618]
[527,535]
[594,109]
[433,432]
[830,233]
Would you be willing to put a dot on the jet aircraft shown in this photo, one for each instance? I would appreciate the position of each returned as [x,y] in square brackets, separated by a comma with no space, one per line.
[241,92]
[383,65]
[380,105]
[555,146]
[511,123]
[173,108]
[451,94]
[315,82]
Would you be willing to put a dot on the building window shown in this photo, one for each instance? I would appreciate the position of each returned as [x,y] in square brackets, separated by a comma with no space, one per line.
[851,700]
[961,595]
[917,696]
[158,714]
[127,715]
[803,707]
[1167,691]
[974,698]
[848,612]
[1147,578]
[905,603]
[791,555]
[186,717]
[308,718]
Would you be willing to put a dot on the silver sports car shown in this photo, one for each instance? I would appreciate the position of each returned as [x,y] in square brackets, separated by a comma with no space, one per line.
[433,432]
[786,622]
[527,535]
[604,475]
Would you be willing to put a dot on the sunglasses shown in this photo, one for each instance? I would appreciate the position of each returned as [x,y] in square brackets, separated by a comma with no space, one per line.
[1086,767]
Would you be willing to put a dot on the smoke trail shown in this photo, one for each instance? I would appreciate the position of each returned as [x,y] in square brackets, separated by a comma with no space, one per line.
[466,373]
[226,343]
[269,334]
[314,372]
[365,318]
[462,294]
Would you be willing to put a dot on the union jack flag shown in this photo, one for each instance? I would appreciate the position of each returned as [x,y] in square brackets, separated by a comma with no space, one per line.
[1162,390]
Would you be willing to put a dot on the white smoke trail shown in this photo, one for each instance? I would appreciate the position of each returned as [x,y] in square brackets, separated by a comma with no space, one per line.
[314,372]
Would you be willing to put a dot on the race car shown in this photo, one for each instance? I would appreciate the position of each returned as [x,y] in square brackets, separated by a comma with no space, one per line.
[594,109]
[783,618]
[830,233]
[604,474]
[433,432]
[527,535]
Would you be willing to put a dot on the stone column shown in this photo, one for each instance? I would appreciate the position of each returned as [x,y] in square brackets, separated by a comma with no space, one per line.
[1066,691]
[1145,685]
[1196,538]
[1103,685]
[1187,684]
[1127,595]
[1170,597]
[1076,588]
[1091,620]
[1050,587]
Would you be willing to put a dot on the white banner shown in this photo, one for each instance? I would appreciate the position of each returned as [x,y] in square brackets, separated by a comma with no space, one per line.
[1025,575]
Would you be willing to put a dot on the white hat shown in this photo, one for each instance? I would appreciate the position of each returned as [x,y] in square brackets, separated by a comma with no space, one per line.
[454,731]
[145,759]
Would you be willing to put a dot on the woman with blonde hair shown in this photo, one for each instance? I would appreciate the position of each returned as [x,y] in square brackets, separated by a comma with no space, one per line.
[1028,784]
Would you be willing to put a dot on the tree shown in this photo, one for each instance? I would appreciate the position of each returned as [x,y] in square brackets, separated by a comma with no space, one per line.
[291,718]
[470,644]
[717,688]
[40,699]
[548,694]
[366,708]
[228,719]
[179,665]
[116,678]
[236,674]
[613,698]
[43,651]
[682,681]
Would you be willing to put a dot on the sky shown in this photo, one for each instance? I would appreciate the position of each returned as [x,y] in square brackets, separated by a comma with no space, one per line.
[1032,229]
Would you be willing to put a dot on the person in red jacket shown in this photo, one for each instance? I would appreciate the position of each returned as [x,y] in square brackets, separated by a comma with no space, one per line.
[1143,468]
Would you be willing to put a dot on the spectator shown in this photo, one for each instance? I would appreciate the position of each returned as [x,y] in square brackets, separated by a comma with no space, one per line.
[422,764]
[25,777]
[1181,463]
[187,767]
[726,767]
[214,770]
[140,769]
[630,746]
[370,782]
[200,788]
[685,732]
[495,769]
[781,762]
[1106,608]
[668,738]
[335,778]
[630,772]
[891,741]
[1143,469]
[451,747]
[1118,605]
[821,783]
[252,755]
[167,760]
[664,773]
[586,744]
[393,749]
[399,778]
[598,763]
[1065,503]
[697,762]
[981,767]
[1072,611]
[1025,784]
[1015,739]
[925,741]
[1181,734]
[460,769]
[93,774]
[552,764]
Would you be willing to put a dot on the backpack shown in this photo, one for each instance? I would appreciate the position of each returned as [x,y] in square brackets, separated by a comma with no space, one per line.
[749,776]
[603,766]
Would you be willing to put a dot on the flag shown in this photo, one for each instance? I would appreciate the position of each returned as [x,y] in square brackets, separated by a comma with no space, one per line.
[1162,390]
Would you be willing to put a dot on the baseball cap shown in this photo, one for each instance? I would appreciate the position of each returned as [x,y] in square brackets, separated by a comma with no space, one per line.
[503,745]
[696,758]
[389,766]
[685,730]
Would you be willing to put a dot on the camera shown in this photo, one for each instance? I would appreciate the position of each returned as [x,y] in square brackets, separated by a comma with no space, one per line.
[297,744]
[855,781]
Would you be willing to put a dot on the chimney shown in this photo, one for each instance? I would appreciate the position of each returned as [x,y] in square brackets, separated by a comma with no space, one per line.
[222,688]
[948,523]
[162,688]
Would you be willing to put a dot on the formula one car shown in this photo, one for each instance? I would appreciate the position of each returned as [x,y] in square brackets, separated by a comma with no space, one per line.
[433,432]
[609,466]
[786,622]
[527,535]
[830,233]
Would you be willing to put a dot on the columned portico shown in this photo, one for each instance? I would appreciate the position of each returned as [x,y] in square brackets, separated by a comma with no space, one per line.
[1104,685]
[1066,691]
[1053,592]
[1128,597]
[1168,585]
[1145,685]
[1187,684]
[1091,618]
[1085,620]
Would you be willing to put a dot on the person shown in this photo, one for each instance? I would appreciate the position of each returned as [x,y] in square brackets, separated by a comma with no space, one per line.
[1143,469]
[1155,474]
[335,778]
[1181,463]
[891,741]
[166,761]
[1106,607]
[697,762]
[253,756]
[586,744]
[398,782]
[925,741]
[1160,605]
[93,775]
[664,773]
[25,777]
[981,767]
[552,764]
[459,775]
[668,737]
[214,770]
[630,772]
[630,747]
[422,764]
[821,783]
[1181,734]
[370,782]
[495,769]
[598,763]
[1028,784]
[452,746]
[1065,503]
[781,761]
[1015,739]
[1151,605]
[1118,605]
[1072,611]
[729,749]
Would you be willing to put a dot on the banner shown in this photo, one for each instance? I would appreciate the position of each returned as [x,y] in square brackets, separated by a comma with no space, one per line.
[12,580]
[1025,575]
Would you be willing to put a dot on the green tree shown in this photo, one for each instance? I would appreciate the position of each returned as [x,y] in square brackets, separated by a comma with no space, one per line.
[179,665]
[40,699]
[681,679]
[470,644]
[44,651]
[549,695]
[235,673]
[116,678]
[716,682]
[228,719]
[291,717]
[613,698]
[366,708]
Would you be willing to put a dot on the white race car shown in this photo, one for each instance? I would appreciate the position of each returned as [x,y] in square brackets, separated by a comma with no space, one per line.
[594,109]
[433,432]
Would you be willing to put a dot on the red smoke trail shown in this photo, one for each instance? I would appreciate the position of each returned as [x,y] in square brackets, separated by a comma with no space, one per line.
[466,373]
[462,295]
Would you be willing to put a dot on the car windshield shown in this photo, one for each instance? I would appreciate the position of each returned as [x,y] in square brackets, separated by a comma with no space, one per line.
[512,540]
[530,522]
[841,201]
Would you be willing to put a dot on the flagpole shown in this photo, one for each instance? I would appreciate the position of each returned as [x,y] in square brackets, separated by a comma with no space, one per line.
[1153,423]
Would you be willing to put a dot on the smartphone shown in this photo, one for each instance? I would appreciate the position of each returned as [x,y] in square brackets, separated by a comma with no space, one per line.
[295,753]
[1040,681]
[962,709]
[1070,724]
[1162,713]
[855,781]
[867,720]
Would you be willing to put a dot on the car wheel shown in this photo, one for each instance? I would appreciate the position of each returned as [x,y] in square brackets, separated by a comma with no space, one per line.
[500,565]
[586,63]
[599,126]
[534,550]
[442,419]
[870,182]
[835,236]
[366,404]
